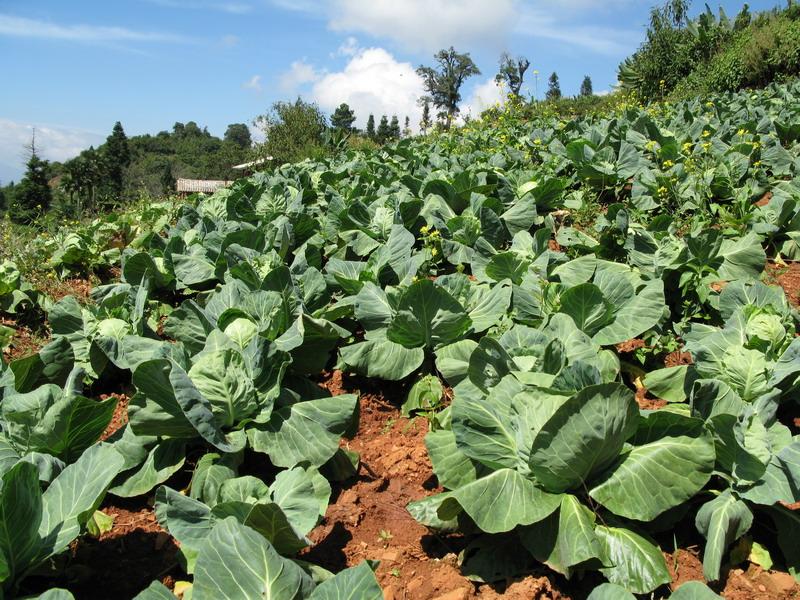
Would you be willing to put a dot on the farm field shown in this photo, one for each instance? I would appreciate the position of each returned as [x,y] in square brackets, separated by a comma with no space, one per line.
[530,358]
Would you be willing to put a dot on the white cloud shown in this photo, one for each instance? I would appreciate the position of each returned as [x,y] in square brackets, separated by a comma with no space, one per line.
[254,83]
[429,25]
[299,74]
[31,28]
[372,82]
[483,96]
[52,142]
[348,48]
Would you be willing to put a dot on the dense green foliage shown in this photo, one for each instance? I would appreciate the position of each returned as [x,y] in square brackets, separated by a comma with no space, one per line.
[32,196]
[443,82]
[505,260]
[712,53]
[293,130]
[512,73]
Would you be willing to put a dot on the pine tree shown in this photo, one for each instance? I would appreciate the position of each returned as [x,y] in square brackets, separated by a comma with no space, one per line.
[554,88]
[33,195]
[586,87]
[394,128]
[425,123]
[384,131]
[407,127]
[371,127]
[343,118]
[117,158]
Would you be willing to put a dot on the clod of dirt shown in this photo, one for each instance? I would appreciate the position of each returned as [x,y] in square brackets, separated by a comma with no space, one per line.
[788,277]
[120,416]
[678,358]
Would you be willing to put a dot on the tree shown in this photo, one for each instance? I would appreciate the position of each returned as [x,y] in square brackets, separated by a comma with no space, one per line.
[32,195]
[293,131]
[444,82]
[586,87]
[425,123]
[384,131]
[743,18]
[554,88]
[371,127]
[512,72]
[343,118]
[167,179]
[239,134]
[394,128]
[117,157]
[407,127]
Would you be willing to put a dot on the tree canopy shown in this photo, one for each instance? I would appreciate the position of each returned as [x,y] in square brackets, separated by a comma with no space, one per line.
[443,82]
[512,72]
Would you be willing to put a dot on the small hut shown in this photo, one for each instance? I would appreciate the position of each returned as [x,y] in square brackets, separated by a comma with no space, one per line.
[184,187]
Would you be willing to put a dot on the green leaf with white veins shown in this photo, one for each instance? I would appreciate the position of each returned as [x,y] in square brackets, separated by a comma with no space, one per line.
[75,494]
[650,479]
[501,501]
[305,431]
[428,316]
[238,563]
[222,378]
[564,539]
[381,358]
[587,306]
[355,583]
[638,564]
[722,521]
[584,435]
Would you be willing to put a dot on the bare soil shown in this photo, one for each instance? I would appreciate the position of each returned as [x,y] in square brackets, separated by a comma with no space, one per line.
[788,277]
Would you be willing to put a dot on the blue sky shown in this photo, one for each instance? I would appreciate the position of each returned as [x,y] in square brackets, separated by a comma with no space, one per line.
[72,69]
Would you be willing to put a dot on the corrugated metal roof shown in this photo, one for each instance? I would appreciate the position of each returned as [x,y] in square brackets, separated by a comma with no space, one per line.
[205,186]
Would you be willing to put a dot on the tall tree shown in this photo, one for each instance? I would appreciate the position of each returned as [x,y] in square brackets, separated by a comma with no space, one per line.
[343,117]
[32,195]
[586,87]
[425,123]
[117,157]
[512,72]
[293,130]
[394,128]
[239,134]
[444,82]
[384,131]
[407,127]
[371,127]
[167,179]
[553,87]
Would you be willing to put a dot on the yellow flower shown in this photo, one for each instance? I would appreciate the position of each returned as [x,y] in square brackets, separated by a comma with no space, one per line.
[757,164]
[424,229]
[662,191]
[741,132]
[537,141]
[434,252]
[706,133]
[668,164]
[707,146]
